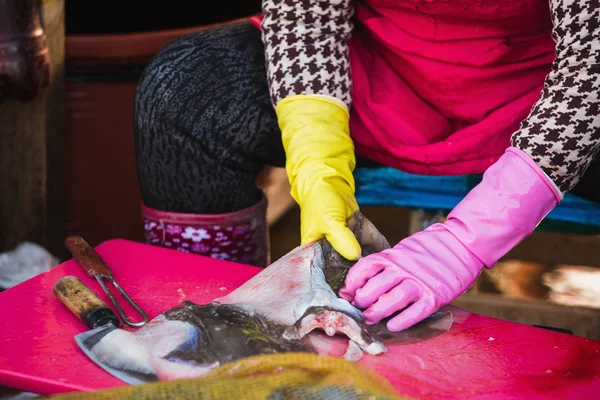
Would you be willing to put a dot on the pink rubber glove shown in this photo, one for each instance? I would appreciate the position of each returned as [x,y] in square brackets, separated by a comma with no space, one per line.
[433,267]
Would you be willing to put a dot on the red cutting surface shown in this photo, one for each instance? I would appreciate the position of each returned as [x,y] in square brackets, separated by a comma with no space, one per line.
[479,358]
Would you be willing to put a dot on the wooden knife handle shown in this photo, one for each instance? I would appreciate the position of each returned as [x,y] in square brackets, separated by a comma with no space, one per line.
[84,303]
[85,254]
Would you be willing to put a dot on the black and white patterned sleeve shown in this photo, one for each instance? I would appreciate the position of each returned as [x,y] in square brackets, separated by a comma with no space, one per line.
[306,47]
[562,132]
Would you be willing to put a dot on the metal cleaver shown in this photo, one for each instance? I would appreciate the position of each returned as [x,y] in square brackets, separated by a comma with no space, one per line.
[100,318]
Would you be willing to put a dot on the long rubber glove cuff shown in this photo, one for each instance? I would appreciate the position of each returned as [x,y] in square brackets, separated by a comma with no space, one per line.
[320,162]
[431,268]
[505,208]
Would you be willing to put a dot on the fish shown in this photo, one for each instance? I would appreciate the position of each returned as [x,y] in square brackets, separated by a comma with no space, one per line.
[290,306]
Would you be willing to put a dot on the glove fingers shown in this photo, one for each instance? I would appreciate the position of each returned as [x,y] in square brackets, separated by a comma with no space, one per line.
[376,287]
[389,303]
[343,241]
[358,276]
[414,314]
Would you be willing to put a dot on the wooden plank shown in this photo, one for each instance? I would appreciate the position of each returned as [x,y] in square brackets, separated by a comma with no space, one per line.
[276,186]
[553,248]
[542,247]
[22,172]
[26,129]
[54,21]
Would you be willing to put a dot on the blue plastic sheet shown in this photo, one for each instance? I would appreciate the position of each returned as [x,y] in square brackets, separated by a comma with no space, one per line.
[384,186]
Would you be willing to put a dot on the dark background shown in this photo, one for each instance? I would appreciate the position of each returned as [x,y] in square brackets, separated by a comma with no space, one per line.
[110,16]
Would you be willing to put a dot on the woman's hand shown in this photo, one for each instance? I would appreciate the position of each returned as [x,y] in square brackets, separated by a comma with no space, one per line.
[431,268]
[319,162]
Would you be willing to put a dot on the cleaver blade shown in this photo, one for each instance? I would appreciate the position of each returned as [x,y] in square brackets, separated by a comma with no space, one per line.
[100,319]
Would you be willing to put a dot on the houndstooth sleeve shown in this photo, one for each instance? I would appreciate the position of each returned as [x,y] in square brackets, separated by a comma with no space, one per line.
[306,47]
[562,132]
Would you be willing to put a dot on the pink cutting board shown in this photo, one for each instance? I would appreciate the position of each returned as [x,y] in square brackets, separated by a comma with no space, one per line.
[479,358]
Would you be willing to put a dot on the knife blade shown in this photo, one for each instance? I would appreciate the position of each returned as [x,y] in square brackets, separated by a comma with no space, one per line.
[99,318]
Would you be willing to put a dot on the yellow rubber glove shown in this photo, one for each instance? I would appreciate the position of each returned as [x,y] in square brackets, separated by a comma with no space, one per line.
[319,163]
